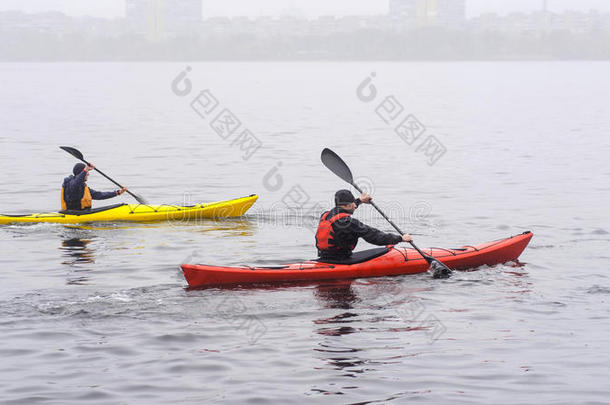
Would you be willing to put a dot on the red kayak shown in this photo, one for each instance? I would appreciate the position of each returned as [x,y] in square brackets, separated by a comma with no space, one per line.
[387,261]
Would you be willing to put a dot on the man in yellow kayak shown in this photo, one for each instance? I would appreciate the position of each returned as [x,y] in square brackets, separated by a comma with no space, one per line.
[338,231]
[76,195]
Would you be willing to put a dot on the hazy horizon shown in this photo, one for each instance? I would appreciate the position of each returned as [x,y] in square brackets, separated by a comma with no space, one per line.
[305,8]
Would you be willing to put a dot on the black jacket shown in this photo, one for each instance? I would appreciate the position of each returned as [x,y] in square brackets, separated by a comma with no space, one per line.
[346,232]
[74,189]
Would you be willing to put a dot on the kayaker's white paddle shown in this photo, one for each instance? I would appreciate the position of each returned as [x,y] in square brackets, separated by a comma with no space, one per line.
[76,153]
[336,165]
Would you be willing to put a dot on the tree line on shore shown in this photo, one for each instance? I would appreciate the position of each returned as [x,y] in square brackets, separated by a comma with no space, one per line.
[364,44]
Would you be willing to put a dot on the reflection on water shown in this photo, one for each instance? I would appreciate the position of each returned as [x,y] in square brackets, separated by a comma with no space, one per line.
[76,251]
[367,309]
[337,294]
[236,226]
[229,227]
[83,245]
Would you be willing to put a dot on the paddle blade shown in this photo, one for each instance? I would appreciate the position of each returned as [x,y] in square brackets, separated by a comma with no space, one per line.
[74,152]
[336,165]
[439,270]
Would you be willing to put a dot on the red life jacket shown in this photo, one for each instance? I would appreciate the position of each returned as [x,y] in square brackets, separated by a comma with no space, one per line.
[325,230]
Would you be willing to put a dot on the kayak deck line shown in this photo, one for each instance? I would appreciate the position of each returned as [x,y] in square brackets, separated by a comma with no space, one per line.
[181,207]
[396,261]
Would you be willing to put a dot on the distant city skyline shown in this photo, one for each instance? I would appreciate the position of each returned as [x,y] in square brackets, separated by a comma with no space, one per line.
[303,8]
[409,30]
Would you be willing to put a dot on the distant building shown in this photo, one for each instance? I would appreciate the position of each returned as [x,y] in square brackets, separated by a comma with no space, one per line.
[160,18]
[447,13]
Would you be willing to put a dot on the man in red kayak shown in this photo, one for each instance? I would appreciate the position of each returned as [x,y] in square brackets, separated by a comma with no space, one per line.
[338,231]
[76,195]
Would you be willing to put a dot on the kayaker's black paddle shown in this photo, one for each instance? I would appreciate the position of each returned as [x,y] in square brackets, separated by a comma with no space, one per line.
[336,165]
[77,154]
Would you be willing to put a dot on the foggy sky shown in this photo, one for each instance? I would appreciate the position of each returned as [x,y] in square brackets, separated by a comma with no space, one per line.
[305,8]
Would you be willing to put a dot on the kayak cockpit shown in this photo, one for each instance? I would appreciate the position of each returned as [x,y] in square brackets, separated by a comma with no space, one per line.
[358,257]
[91,211]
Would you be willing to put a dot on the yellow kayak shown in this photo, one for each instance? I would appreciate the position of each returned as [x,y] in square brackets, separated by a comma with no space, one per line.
[140,213]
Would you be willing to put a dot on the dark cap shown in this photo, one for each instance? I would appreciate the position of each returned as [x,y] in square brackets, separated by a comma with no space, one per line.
[79,167]
[343,197]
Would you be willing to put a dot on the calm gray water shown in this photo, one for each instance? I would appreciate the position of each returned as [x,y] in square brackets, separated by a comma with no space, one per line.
[100,314]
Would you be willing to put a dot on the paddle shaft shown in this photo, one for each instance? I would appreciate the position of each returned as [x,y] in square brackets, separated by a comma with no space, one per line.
[336,165]
[425,256]
[103,174]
